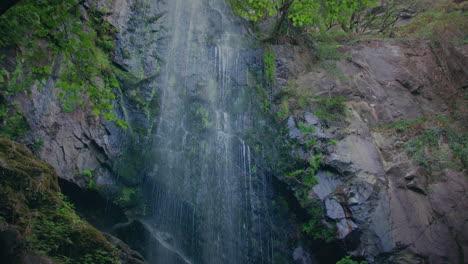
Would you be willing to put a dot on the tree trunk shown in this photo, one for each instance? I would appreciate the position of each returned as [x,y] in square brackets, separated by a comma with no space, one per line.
[284,12]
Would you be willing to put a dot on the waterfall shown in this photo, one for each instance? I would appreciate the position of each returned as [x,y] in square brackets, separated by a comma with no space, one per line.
[207,200]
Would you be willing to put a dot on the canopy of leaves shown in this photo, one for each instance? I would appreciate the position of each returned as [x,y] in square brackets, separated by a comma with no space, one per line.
[254,10]
[321,13]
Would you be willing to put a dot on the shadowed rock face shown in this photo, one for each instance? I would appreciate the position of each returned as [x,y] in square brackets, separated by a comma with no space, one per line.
[29,191]
[6,4]
[393,202]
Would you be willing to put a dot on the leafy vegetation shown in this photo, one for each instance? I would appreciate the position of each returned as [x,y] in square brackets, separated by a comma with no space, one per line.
[315,227]
[270,65]
[306,129]
[433,142]
[348,260]
[13,124]
[128,197]
[91,181]
[445,22]
[84,76]
[329,110]
[58,228]
[31,202]
[323,14]
[262,95]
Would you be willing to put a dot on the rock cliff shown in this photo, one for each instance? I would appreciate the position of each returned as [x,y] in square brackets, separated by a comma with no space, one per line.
[387,205]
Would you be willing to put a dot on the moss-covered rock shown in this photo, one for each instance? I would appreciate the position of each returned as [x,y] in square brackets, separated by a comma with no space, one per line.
[31,202]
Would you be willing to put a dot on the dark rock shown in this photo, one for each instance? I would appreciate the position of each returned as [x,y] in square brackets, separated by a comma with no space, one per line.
[92,206]
[328,182]
[146,241]
[294,132]
[359,192]
[7,4]
[301,256]
[334,209]
[388,82]
[345,227]
[11,244]
[344,167]
[32,258]
[126,254]
[311,120]
[409,82]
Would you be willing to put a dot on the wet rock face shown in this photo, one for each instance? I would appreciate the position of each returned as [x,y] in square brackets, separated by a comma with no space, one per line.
[382,202]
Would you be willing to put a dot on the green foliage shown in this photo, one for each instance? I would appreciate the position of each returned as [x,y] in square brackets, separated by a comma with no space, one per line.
[310,142]
[295,173]
[100,256]
[254,10]
[304,12]
[128,197]
[307,177]
[327,109]
[284,111]
[91,181]
[343,12]
[348,260]
[85,75]
[31,202]
[59,228]
[426,149]
[269,65]
[306,129]
[315,226]
[323,14]
[405,125]
[38,144]
[315,162]
[433,142]
[262,95]
[445,22]
[202,117]
[330,109]
[13,124]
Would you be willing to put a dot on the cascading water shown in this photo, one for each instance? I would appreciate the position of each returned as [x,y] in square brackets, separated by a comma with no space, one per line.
[207,200]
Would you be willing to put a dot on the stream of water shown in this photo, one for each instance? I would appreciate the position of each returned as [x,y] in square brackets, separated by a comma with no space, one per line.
[209,200]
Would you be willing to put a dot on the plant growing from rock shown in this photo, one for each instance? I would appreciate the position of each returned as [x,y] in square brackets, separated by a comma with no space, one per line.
[85,77]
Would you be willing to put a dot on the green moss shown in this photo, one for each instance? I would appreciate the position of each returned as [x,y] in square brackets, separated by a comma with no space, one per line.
[30,200]
[269,63]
